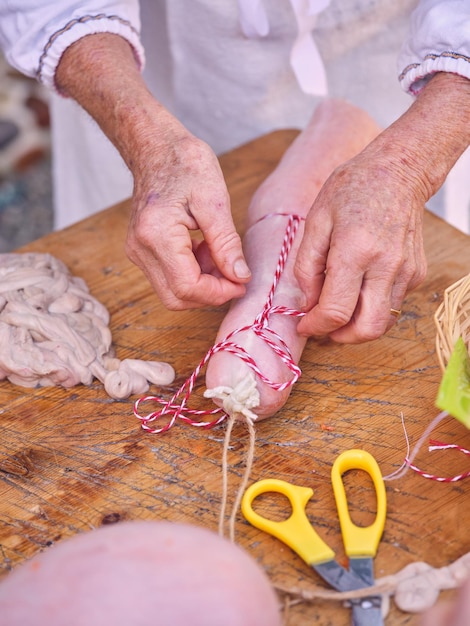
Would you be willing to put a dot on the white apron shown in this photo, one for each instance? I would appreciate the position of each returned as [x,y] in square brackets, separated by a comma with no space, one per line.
[229,75]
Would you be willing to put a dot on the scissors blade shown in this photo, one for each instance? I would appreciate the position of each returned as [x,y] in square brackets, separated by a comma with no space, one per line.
[366,615]
[366,611]
[363,568]
[337,576]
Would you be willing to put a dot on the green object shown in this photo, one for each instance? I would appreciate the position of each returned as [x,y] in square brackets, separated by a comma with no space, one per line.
[454,391]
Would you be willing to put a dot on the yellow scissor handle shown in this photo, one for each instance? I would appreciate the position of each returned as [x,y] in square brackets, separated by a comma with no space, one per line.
[296,531]
[359,540]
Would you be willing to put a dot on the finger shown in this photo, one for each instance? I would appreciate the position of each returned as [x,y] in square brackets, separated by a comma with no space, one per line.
[337,302]
[179,294]
[207,291]
[355,302]
[186,280]
[381,297]
[418,254]
[412,274]
[372,316]
[203,256]
[311,259]
[222,239]
[397,296]
[177,278]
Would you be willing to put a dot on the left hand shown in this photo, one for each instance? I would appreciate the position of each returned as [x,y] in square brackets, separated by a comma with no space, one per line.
[362,250]
[365,226]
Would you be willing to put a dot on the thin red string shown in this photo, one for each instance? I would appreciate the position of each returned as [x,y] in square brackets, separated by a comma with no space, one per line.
[176,407]
[437,445]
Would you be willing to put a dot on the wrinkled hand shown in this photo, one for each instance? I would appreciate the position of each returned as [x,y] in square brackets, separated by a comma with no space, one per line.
[178,183]
[180,188]
[362,250]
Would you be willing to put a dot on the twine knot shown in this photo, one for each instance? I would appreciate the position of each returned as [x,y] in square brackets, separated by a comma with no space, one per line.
[239,399]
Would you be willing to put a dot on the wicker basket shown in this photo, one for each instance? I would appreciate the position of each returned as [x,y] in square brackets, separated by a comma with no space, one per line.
[452,319]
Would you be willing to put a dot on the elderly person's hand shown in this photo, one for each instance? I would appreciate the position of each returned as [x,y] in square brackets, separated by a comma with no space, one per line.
[363,245]
[179,188]
[362,250]
[178,184]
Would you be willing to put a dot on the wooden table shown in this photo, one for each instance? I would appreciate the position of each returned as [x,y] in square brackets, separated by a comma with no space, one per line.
[72,460]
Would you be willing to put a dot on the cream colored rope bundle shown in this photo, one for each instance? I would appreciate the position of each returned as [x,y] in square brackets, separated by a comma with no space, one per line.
[452,319]
[415,588]
[54,332]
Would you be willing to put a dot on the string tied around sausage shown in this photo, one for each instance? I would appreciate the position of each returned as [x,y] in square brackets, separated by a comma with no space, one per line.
[176,408]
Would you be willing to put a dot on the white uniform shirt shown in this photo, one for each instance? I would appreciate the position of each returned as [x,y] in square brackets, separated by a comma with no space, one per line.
[231,70]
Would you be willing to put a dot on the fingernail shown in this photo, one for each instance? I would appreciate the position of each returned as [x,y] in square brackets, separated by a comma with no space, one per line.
[241,269]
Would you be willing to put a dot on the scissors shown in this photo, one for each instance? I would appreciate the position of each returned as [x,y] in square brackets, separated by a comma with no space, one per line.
[360,542]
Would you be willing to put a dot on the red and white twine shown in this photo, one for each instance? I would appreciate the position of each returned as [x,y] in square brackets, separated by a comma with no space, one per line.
[433,445]
[176,407]
[437,445]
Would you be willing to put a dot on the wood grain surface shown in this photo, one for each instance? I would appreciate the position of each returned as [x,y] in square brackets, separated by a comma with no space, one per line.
[73,460]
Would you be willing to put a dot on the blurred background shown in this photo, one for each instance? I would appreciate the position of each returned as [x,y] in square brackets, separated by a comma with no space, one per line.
[25,166]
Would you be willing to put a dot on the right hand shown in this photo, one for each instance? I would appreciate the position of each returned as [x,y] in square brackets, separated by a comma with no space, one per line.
[179,187]
[178,183]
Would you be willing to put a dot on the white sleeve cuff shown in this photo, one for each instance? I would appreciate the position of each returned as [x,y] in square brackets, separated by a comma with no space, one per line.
[75,30]
[438,41]
[415,76]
